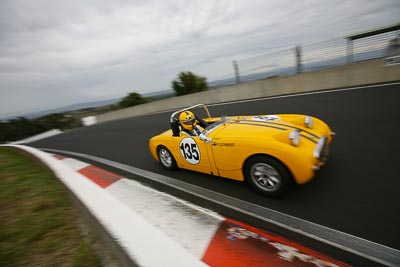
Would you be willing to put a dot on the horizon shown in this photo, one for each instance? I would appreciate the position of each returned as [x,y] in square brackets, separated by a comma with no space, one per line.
[57,55]
[218,83]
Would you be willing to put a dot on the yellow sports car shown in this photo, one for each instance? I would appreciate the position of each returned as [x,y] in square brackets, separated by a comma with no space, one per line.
[268,151]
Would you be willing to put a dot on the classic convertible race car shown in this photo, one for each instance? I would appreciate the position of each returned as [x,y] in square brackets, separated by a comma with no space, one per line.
[270,152]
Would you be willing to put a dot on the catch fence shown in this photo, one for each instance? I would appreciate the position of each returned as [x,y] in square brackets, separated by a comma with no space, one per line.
[380,43]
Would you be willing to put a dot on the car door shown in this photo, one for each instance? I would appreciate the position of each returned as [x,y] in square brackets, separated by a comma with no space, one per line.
[194,154]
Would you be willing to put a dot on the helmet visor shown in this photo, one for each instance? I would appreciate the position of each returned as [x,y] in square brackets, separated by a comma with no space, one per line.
[188,121]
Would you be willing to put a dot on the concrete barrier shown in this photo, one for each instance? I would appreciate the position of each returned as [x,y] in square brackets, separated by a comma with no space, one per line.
[87,121]
[359,73]
[38,137]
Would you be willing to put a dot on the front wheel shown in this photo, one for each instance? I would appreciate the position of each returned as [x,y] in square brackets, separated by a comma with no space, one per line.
[166,159]
[267,176]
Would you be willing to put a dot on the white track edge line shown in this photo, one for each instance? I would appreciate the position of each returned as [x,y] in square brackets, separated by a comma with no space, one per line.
[126,243]
[148,174]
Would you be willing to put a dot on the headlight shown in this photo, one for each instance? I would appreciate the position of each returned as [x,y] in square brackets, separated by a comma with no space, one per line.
[294,137]
[308,122]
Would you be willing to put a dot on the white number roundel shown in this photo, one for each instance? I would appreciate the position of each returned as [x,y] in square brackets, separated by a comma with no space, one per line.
[189,150]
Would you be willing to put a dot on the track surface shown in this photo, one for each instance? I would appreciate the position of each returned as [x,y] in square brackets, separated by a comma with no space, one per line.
[357,192]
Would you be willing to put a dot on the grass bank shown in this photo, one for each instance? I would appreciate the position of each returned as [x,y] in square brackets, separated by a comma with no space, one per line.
[38,223]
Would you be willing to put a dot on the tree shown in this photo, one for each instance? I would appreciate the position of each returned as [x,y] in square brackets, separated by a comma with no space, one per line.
[188,83]
[132,99]
[58,121]
[18,128]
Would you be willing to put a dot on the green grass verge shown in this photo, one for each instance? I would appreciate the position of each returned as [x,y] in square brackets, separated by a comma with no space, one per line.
[38,222]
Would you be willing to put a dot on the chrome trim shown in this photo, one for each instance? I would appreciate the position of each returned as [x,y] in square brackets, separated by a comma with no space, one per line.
[265,176]
[308,122]
[215,125]
[294,137]
[204,138]
[319,147]
[189,108]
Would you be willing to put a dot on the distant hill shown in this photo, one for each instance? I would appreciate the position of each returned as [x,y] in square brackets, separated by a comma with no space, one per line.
[79,106]
[33,115]
[160,94]
[283,71]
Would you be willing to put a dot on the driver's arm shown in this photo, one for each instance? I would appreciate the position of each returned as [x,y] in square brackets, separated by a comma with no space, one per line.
[201,122]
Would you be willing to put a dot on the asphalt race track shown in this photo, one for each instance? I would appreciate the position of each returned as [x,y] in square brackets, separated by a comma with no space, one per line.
[357,192]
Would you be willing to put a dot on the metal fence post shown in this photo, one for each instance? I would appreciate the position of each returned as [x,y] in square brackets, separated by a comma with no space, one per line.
[298,53]
[349,58]
[236,70]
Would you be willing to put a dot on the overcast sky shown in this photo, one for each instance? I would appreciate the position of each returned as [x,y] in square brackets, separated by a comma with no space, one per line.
[56,53]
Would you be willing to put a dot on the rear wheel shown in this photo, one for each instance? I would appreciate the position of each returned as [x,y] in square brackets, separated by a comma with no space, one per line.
[165,158]
[267,176]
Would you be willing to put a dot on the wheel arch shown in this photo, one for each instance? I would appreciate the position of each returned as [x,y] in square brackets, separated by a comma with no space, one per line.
[269,156]
[158,147]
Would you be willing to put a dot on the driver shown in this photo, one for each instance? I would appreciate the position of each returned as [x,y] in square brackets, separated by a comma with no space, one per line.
[189,123]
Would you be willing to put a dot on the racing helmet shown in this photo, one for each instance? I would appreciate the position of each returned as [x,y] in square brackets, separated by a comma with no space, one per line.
[187,120]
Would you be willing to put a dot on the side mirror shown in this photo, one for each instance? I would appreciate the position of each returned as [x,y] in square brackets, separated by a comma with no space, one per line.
[204,138]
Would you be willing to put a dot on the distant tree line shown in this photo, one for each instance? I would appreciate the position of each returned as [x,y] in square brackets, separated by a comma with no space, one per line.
[185,83]
[133,99]
[21,128]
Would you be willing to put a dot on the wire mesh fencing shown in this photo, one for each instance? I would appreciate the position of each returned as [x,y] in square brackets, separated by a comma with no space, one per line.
[311,57]
[374,47]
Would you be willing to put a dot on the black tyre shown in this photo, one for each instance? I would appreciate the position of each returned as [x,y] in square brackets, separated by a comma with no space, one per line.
[267,176]
[166,158]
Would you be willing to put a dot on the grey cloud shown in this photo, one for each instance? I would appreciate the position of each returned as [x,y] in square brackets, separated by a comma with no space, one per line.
[87,50]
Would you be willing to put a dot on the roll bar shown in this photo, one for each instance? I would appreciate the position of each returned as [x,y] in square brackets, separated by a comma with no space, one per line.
[172,119]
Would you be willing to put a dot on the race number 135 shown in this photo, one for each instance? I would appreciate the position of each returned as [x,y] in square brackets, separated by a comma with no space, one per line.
[189,150]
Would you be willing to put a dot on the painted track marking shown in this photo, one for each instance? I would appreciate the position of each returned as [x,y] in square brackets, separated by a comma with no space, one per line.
[358,246]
